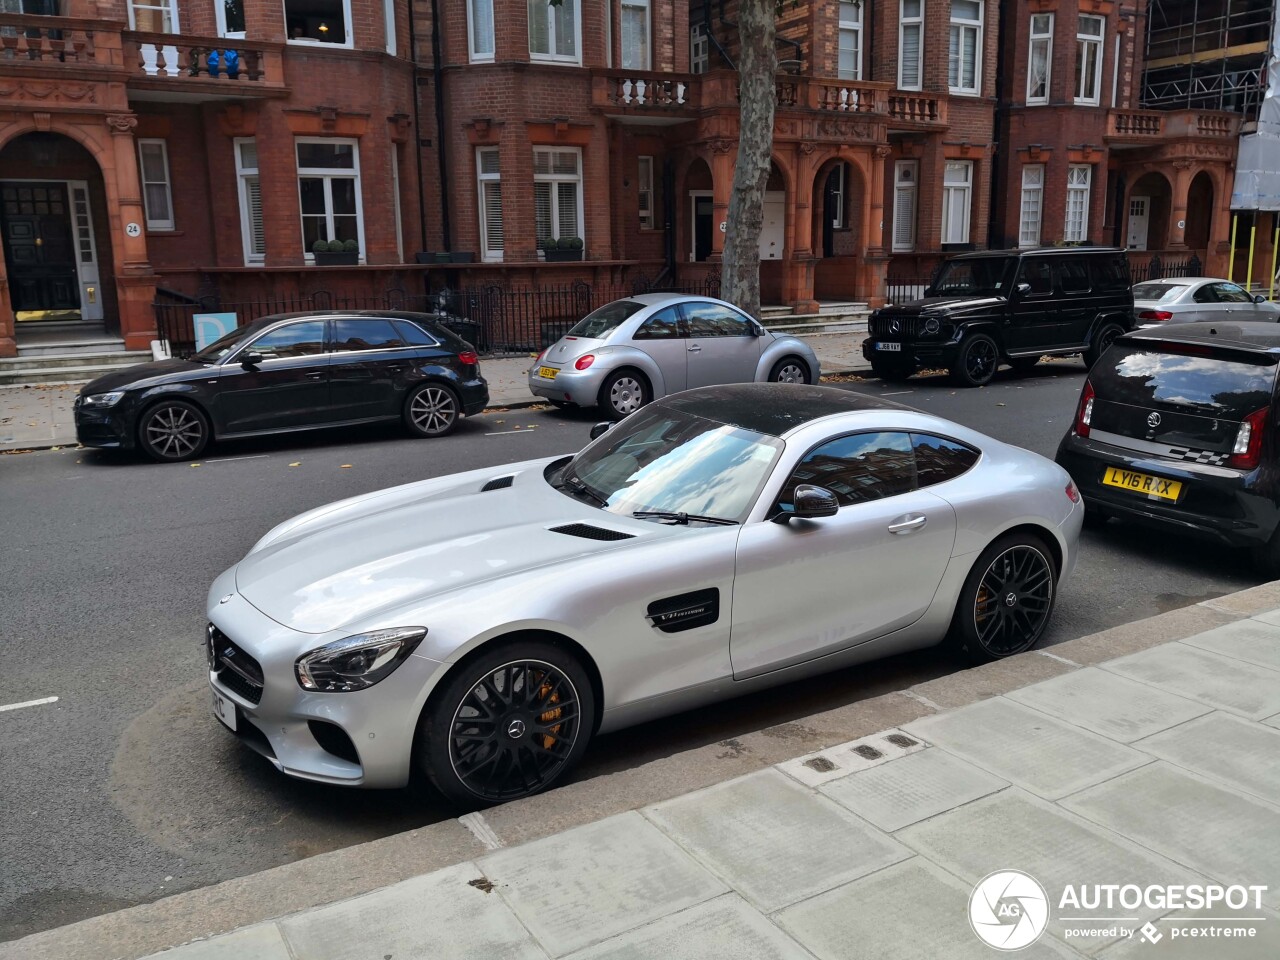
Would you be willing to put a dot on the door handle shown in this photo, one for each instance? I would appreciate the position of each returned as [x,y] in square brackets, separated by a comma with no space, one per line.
[315,375]
[695,349]
[908,523]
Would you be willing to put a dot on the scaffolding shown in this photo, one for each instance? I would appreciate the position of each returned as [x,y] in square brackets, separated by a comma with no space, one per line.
[1208,55]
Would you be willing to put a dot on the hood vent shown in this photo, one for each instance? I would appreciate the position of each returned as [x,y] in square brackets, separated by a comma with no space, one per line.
[497,483]
[588,532]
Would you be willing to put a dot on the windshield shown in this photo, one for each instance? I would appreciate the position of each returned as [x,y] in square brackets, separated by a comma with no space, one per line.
[982,277]
[223,345]
[1158,292]
[667,460]
[600,323]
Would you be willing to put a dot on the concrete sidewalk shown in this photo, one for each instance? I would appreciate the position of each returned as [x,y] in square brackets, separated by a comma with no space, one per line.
[38,416]
[1146,756]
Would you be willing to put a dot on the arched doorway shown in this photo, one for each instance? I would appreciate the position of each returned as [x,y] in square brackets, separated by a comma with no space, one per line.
[1199,212]
[53,227]
[701,211]
[838,203]
[1148,217]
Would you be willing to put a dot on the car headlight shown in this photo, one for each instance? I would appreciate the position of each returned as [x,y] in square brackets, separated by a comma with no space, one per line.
[103,399]
[357,662]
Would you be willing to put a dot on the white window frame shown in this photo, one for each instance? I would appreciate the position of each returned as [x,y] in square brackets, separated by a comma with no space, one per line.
[648,34]
[1031,206]
[552,57]
[645,194]
[904,22]
[906,182]
[853,27]
[1078,193]
[156,223]
[558,179]
[252,258]
[348,26]
[951,232]
[699,48]
[1085,41]
[161,5]
[476,54]
[488,252]
[329,174]
[389,23]
[220,14]
[960,26]
[1045,39]
[837,221]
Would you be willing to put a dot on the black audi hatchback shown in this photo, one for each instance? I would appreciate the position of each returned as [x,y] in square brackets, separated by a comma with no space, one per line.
[1177,426]
[286,373]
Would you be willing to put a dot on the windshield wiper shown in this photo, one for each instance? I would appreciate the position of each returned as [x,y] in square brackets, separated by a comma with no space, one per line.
[671,516]
[574,485]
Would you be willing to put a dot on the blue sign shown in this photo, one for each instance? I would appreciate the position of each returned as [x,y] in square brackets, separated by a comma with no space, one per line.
[212,326]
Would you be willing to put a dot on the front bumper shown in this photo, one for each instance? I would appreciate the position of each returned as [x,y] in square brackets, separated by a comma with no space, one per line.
[379,722]
[111,427]
[580,387]
[1219,503]
[922,354]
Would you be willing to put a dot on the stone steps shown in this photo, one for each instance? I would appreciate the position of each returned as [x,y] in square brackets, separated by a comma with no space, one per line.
[67,367]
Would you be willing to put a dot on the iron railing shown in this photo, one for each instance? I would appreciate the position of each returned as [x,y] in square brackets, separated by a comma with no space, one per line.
[496,320]
[903,289]
[1160,269]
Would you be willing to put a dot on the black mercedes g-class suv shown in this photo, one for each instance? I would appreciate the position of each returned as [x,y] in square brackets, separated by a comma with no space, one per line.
[1005,306]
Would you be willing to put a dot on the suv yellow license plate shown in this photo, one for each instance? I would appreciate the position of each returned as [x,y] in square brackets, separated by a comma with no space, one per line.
[548,373]
[1143,483]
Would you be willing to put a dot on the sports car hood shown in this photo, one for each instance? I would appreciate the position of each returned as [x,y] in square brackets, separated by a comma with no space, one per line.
[358,558]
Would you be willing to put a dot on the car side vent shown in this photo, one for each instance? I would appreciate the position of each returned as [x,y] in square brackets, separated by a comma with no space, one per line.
[497,483]
[588,532]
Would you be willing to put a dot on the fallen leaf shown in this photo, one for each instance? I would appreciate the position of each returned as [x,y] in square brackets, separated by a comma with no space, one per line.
[346,466]
[499,421]
[195,464]
[296,463]
[999,404]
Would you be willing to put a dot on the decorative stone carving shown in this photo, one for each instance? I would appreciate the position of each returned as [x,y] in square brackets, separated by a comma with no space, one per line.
[883,152]
[807,148]
[122,123]
[17,90]
[722,146]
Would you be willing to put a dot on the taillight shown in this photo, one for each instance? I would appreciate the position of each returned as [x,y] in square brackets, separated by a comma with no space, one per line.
[584,361]
[1084,413]
[471,358]
[1247,452]
[1155,315]
[1072,493]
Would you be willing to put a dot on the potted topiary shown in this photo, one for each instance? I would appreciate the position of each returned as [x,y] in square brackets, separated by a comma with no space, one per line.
[336,253]
[563,250]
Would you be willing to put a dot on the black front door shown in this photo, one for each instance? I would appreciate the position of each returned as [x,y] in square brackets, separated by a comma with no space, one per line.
[703,209]
[38,249]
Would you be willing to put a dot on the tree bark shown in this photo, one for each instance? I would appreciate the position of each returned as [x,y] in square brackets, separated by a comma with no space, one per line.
[757,70]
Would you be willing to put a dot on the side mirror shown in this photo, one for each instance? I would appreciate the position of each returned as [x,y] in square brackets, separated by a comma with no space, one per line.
[251,359]
[810,502]
[600,429]
[758,329]
[1259,298]
[1023,289]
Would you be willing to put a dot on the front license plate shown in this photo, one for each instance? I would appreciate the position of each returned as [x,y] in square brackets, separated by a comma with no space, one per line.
[547,373]
[1143,483]
[891,347]
[224,710]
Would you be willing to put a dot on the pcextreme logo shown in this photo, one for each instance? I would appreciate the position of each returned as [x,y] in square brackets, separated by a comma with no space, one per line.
[1008,910]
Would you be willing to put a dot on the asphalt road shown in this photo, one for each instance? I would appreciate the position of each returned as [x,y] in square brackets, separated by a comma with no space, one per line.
[126,789]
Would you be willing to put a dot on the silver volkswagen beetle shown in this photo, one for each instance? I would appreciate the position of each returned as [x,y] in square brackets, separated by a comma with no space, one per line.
[632,351]
[482,627]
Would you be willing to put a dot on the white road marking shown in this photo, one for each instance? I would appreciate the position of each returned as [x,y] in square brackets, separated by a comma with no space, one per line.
[28,703]
[479,827]
[1054,656]
[499,433]
[256,456]
[899,393]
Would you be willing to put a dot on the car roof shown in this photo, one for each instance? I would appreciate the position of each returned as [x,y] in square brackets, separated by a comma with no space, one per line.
[1185,280]
[1037,252]
[1259,336]
[775,409]
[669,296]
[324,314]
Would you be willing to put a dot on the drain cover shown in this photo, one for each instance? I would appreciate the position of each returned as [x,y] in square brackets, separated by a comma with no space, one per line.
[820,764]
[900,740]
[868,752]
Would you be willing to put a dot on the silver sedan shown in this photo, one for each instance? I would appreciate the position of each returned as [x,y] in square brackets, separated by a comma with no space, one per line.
[632,351]
[483,627]
[1184,299]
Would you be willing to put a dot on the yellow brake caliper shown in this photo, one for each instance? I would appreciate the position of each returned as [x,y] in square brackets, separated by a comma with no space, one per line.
[548,740]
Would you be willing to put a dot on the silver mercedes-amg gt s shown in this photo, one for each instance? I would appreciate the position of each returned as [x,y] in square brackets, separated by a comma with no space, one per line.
[482,627]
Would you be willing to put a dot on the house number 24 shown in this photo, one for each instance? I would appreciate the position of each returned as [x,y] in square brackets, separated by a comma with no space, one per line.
[132,230]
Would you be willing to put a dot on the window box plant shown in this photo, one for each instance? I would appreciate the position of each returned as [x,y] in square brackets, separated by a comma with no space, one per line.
[564,250]
[336,253]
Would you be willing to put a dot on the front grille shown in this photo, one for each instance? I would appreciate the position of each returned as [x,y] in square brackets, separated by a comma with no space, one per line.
[883,326]
[588,532]
[233,668]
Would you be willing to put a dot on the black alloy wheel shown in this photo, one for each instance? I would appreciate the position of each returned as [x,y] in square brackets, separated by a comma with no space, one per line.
[1006,601]
[508,725]
[977,361]
[173,430]
[789,370]
[433,410]
[1105,336]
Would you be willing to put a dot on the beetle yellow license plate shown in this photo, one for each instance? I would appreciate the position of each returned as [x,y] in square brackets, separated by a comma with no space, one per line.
[1143,483]
[547,373]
